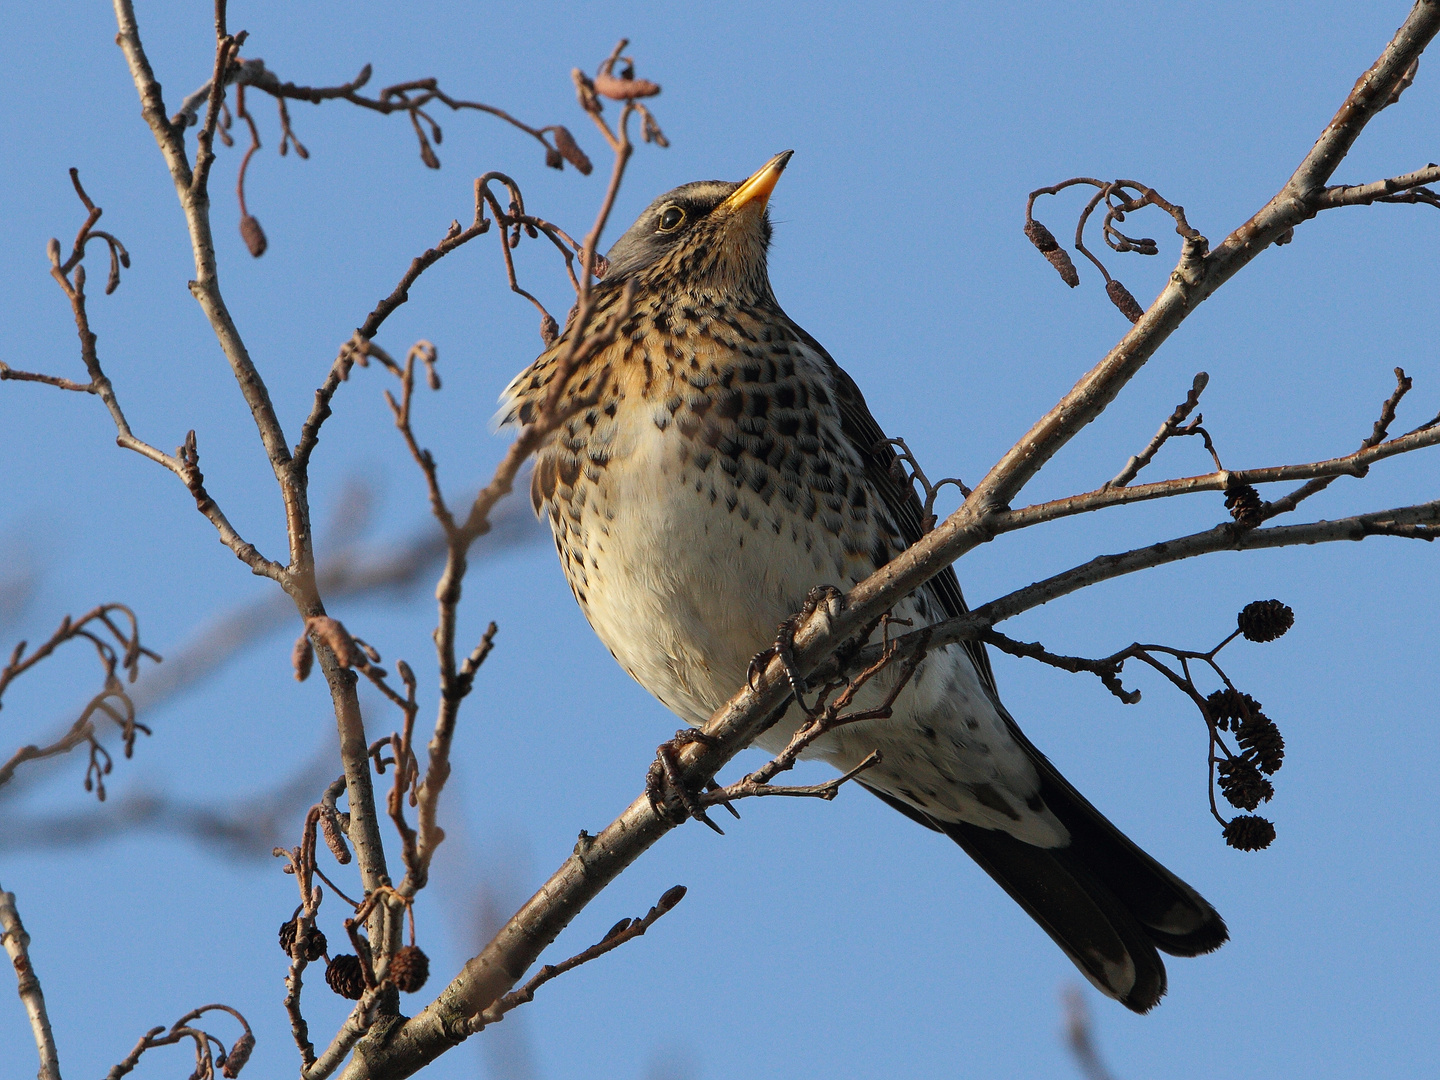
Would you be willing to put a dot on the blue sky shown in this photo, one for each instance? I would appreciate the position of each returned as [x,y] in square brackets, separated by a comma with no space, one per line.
[816,939]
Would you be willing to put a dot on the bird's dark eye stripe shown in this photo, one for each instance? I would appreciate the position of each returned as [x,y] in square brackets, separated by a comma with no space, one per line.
[671,218]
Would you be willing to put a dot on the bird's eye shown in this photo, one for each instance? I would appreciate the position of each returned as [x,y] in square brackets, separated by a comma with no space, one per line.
[671,218]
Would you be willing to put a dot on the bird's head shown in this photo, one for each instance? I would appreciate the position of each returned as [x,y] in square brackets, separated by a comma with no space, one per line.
[709,235]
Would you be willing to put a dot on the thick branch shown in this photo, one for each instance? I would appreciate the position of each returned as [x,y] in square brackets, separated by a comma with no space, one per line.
[355,1026]
[1419,522]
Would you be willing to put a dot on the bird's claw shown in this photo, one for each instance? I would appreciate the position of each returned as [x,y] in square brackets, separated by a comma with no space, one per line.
[663,780]
[712,786]
[784,647]
[784,651]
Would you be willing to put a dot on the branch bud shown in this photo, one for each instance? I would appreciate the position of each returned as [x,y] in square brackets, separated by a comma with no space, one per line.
[333,635]
[619,928]
[671,898]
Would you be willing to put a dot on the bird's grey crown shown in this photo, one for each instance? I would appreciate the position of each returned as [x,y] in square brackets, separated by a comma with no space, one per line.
[642,244]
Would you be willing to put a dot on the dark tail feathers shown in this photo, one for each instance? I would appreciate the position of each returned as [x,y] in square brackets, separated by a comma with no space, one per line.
[1105,902]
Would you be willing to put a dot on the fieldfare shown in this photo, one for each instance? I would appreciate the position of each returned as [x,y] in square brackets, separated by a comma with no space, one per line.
[722,467]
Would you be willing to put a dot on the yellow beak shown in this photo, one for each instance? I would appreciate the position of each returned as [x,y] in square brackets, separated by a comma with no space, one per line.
[759,186]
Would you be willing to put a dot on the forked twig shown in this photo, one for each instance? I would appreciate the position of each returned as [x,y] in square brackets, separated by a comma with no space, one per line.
[623,931]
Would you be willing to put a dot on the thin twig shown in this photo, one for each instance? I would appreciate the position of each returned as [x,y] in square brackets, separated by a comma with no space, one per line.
[206,1058]
[17,945]
[623,931]
[1169,428]
[1376,437]
[112,701]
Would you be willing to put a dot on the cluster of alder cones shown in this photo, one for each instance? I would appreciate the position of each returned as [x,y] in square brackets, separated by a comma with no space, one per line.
[1243,776]
[344,973]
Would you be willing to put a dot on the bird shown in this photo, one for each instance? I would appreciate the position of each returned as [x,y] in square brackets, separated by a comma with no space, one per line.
[719,465]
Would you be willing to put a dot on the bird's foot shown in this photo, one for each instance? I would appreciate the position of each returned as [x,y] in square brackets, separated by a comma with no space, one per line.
[784,651]
[663,782]
[784,647]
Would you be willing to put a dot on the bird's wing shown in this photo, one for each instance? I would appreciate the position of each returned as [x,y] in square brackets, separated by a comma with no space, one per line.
[904,506]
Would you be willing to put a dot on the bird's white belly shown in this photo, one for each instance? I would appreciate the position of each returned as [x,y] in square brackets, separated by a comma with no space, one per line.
[682,589]
[685,590]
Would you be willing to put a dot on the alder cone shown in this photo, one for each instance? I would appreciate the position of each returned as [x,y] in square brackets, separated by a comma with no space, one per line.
[1265,620]
[1262,742]
[1243,785]
[1230,706]
[409,968]
[1249,833]
[345,976]
[289,931]
[1244,505]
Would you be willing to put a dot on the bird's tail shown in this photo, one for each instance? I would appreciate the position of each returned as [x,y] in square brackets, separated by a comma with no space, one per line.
[1110,907]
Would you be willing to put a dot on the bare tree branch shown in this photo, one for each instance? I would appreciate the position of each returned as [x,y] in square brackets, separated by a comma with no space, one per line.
[409,97]
[388,1045]
[1200,272]
[210,1052]
[1407,188]
[17,945]
[112,701]
[623,931]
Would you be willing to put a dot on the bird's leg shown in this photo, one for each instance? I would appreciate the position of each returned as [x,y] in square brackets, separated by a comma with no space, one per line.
[784,647]
[663,779]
